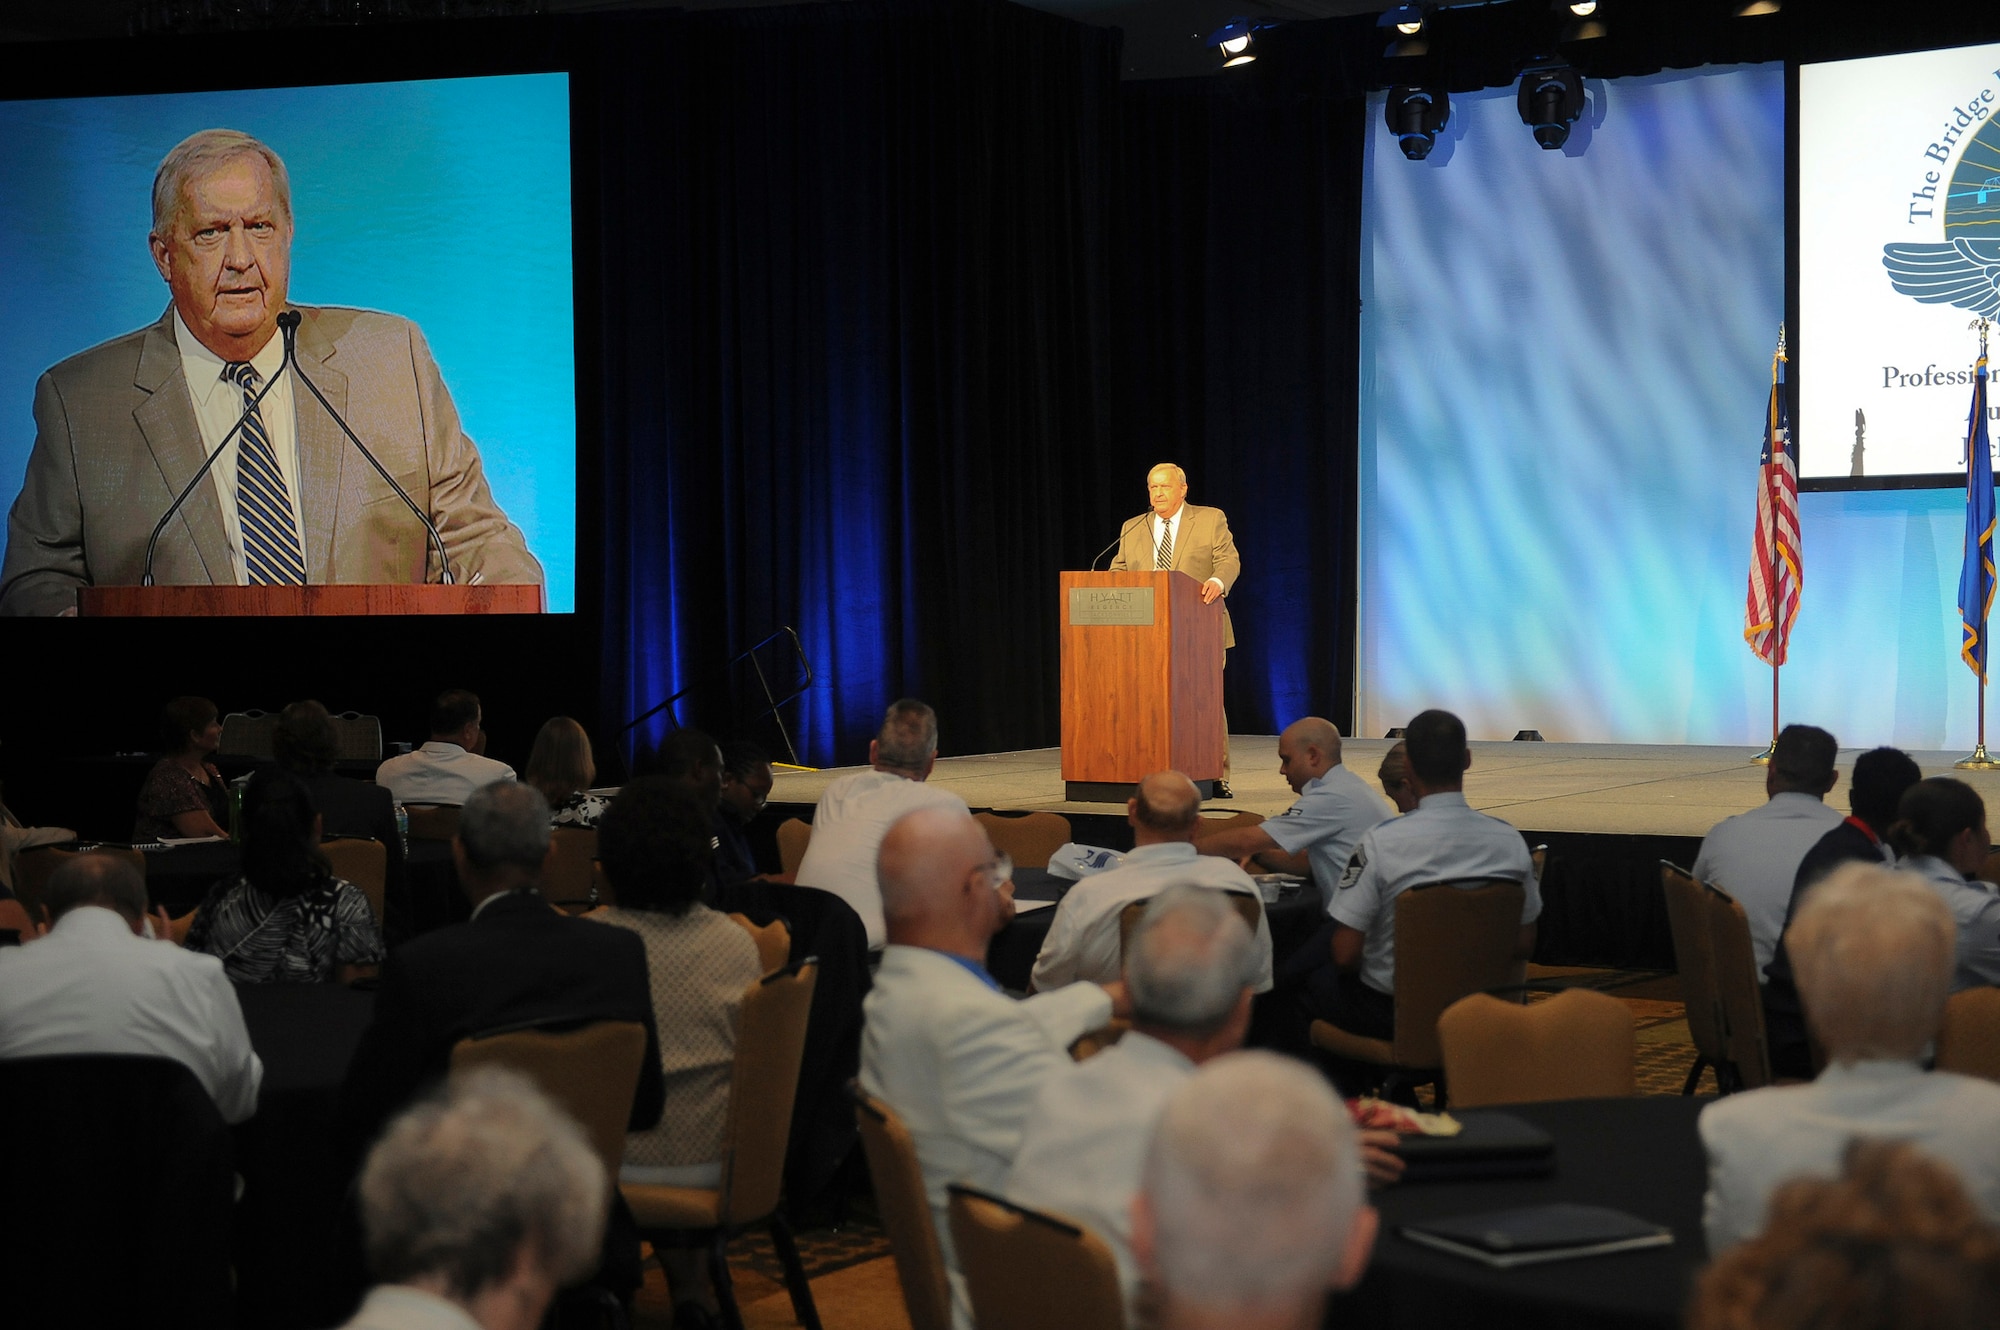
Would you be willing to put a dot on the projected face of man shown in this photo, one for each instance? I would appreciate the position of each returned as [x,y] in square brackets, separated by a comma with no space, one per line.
[1166,489]
[229,258]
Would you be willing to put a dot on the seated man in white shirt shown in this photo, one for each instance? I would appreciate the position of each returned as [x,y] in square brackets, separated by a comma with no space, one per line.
[1755,856]
[1188,971]
[1872,950]
[1250,1208]
[1319,831]
[97,984]
[941,1044]
[478,1204]
[1083,940]
[856,810]
[449,768]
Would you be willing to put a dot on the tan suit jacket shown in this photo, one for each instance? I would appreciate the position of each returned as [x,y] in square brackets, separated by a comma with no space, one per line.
[116,439]
[1204,549]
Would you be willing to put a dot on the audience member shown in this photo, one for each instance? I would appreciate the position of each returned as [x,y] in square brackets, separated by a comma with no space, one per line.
[654,846]
[1872,952]
[1892,1244]
[1940,831]
[1188,972]
[1333,809]
[1873,791]
[959,1060]
[1250,1206]
[563,768]
[286,919]
[1083,940]
[451,765]
[1755,856]
[856,810]
[1443,840]
[16,837]
[478,1205]
[693,761]
[1394,774]
[97,984]
[746,784]
[184,795]
[303,743]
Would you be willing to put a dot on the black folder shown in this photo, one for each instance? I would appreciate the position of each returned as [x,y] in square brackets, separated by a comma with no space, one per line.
[1492,1145]
[1558,1231]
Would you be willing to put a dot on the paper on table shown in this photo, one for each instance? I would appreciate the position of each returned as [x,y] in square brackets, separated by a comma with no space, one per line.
[190,840]
[1022,907]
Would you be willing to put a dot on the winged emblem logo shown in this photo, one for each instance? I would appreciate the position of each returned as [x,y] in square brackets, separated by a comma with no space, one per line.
[1964,270]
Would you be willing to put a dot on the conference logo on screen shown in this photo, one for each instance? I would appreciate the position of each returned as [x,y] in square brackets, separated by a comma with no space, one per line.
[1964,270]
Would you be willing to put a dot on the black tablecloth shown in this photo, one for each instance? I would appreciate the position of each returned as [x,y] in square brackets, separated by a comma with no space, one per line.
[1637,1155]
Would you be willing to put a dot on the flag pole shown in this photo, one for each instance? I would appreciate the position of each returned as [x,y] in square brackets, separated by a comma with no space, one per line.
[1763,759]
[1980,760]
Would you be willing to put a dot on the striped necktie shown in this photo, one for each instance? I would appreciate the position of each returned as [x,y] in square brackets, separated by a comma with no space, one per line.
[271,554]
[1163,557]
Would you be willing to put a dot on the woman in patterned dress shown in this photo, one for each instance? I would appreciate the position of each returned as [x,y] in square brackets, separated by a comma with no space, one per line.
[184,795]
[286,919]
[562,767]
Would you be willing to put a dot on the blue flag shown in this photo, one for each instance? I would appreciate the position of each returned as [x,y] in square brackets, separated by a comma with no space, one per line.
[1975,581]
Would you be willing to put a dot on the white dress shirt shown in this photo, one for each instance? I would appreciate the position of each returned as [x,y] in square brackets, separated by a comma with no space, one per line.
[1083,940]
[853,815]
[1327,821]
[439,773]
[217,405]
[92,986]
[1755,856]
[962,1064]
[1977,912]
[400,1307]
[1443,839]
[1762,1138]
[1087,1138]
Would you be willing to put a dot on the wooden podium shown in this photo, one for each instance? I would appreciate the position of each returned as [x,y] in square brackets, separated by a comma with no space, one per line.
[307,601]
[1141,683]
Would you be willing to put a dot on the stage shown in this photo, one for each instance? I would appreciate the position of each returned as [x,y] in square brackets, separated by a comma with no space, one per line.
[1608,813]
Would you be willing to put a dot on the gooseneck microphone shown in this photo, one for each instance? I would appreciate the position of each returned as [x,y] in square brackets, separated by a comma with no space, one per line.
[1120,538]
[288,322]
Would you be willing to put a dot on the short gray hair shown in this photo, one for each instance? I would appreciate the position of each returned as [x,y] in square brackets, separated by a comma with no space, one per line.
[459,1183]
[1873,952]
[202,152]
[506,822]
[909,734]
[106,880]
[1253,1180]
[1189,960]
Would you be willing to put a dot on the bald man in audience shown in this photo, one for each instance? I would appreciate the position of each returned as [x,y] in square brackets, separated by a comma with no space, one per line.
[957,1059]
[1319,831]
[1873,951]
[1083,940]
[1250,1207]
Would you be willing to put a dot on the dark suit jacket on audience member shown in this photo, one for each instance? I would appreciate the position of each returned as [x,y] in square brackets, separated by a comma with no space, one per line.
[360,808]
[1784,1017]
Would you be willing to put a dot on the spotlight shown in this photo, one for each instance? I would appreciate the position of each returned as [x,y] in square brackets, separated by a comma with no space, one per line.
[1233,41]
[1406,19]
[1578,25]
[1753,8]
[1414,116]
[1551,100]
[1584,8]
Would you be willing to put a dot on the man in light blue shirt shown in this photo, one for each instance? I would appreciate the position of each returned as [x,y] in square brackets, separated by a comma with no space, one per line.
[1324,823]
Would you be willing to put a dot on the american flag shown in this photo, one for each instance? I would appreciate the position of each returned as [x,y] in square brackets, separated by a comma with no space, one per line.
[1975,580]
[1775,569]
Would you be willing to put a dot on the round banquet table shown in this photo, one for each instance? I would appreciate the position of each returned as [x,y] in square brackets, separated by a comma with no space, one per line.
[1641,1156]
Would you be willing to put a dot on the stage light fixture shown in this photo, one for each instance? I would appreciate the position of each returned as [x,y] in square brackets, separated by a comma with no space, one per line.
[1578,25]
[1550,101]
[1414,116]
[1406,19]
[1234,40]
[1753,8]
[1584,8]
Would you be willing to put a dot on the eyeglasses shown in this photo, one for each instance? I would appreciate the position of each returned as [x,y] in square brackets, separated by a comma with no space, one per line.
[999,869]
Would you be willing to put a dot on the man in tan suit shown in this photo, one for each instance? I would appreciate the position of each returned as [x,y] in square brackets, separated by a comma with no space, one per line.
[122,427]
[1196,541]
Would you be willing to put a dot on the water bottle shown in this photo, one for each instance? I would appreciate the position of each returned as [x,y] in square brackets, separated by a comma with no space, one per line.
[403,828]
[236,811]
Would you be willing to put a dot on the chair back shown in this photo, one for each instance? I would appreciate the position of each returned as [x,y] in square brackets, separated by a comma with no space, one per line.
[906,1211]
[1576,1045]
[591,1070]
[794,834]
[363,862]
[1745,1047]
[1694,959]
[356,738]
[1248,907]
[770,1044]
[432,821]
[1451,941]
[1208,825]
[1074,1281]
[1969,1043]
[1028,840]
[247,734]
[571,871]
[774,941]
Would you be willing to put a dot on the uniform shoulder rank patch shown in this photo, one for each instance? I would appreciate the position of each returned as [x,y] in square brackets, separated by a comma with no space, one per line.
[1354,867]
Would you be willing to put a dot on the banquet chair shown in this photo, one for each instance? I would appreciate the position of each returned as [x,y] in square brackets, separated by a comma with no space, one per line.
[247,734]
[1206,826]
[590,1070]
[793,835]
[774,941]
[1694,959]
[1746,1063]
[570,879]
[1075,1277]
[1028,840]
[1452,940]
[363,862]
[1969,1043]
[432,821]
[770,1042]
[1576,1045]
[1250,908]
[906,1211]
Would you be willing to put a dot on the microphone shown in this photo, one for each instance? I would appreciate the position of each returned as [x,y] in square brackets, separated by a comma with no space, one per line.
[1120,538]
[289,323]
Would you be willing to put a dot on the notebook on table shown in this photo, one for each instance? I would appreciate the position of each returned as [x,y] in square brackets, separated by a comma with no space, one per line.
[1488,1145]
[1532,1234]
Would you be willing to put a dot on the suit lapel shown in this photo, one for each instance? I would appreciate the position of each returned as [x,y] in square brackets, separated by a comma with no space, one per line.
[323,449]
[166,421]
